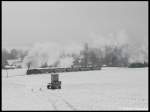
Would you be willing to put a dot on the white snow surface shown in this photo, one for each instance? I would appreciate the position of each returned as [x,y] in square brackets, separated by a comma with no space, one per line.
[106,89]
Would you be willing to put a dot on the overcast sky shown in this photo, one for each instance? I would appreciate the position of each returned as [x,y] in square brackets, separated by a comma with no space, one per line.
[25,23]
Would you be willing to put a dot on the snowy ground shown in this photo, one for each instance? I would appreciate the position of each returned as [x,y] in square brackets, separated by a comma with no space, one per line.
[106,89]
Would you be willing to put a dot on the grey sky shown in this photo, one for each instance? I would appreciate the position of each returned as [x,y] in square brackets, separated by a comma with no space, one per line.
[25,23]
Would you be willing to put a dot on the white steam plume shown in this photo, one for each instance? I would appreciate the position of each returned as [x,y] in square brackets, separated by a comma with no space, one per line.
[66,62]
[130,46]
[51,53]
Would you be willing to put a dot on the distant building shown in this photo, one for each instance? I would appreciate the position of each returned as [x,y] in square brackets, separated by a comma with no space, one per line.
[15,63]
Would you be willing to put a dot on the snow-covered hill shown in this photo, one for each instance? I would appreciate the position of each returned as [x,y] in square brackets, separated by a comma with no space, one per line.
[106,89]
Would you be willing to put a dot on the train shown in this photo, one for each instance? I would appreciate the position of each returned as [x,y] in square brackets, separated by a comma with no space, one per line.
[60,70]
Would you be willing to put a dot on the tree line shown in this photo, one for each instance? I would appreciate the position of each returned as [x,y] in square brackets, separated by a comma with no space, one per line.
[110,56]
[114,56]
[12,54]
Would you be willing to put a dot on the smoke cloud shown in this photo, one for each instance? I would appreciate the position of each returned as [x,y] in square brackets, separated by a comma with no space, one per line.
[51,53]
[136,50]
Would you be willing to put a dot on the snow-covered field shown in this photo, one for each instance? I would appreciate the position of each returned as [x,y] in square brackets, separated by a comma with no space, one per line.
[106,89]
